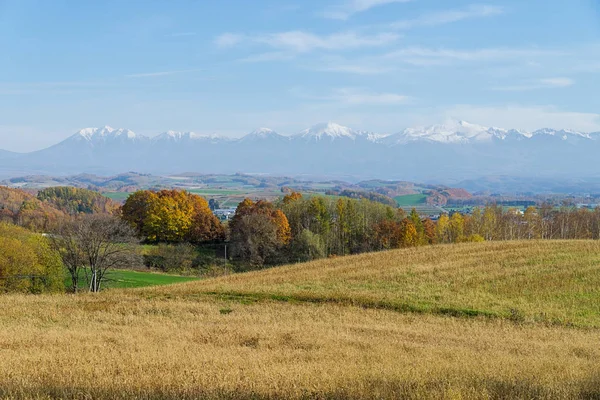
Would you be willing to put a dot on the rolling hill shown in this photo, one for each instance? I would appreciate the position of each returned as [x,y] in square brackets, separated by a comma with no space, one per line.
[491,320]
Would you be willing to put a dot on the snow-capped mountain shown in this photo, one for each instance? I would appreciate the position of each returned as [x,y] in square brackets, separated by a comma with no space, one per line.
[452,150]
[106,134]
[263,134]
[326,131]
[187,137]
[330,132]
[452,132]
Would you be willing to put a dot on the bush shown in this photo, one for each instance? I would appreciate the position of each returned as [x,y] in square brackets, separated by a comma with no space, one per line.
[171,258]
[27,262]
[307,246]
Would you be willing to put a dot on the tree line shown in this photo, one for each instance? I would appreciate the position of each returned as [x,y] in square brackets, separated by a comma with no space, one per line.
[183,231]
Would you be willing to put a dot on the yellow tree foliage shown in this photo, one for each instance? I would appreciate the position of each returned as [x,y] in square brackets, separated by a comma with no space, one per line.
[27,262]
[172,216]
[290,198]
[409,234]
[442,228]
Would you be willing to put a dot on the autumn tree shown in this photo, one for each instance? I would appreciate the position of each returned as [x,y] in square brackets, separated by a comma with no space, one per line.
[172,216]
[27,262]
[99,242]
[257,232]
[77,200]
[409,235]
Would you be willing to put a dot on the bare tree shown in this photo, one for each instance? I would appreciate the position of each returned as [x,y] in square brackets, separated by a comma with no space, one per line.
[95,243]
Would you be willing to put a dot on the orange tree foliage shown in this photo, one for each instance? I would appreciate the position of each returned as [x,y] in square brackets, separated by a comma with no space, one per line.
[172,216]
[258,232]
[77,200]
[22,208]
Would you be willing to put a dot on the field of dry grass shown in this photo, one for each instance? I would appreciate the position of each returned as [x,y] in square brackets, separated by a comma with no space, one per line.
[553,282]
[207,340]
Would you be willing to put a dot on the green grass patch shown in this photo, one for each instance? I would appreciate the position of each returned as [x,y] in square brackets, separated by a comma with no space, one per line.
[119,279]
[411,200]
[117,196]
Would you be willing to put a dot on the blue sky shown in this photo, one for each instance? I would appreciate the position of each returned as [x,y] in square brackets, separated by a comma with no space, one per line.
[231,66]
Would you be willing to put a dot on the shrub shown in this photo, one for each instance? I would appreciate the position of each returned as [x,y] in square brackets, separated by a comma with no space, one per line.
[27,262]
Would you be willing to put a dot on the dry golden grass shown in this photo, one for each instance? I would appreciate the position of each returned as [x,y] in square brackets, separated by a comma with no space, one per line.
[142,343]
[116,345]
[555,282]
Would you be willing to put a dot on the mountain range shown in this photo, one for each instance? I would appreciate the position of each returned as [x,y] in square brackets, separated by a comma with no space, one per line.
[449,152]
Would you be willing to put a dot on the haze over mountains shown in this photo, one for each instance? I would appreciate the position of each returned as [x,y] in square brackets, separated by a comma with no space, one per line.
[443,153]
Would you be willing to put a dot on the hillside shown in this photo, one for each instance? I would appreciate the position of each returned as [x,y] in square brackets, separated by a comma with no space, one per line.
[399,324]
[544,281]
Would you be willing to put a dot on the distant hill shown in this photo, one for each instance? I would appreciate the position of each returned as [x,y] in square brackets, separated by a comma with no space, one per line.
[451,152]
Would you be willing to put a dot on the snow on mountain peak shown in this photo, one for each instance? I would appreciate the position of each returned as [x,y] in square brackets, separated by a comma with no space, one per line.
[104,133]
[328,129]
[262,134]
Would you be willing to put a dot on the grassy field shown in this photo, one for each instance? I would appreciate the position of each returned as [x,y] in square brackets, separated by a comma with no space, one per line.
[410,200]
[117,196]
[473,321]
[116,279]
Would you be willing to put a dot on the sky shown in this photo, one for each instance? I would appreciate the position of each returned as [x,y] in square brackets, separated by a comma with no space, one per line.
[228,67]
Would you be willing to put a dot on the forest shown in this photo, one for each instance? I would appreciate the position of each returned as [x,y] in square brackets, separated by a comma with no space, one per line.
[82,234]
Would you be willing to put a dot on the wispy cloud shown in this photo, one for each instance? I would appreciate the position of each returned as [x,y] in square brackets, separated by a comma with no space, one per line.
[547,83]
[409,58]
[269,56]
[228,39]
[181,34]
[354,97]
[422,56]
[524,117]
[160,73]
[449,16]
[352,68]
[350,7]
[304,42]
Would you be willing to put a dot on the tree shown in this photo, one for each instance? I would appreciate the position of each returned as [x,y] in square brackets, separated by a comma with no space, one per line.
[77,200]
[429,230]
[99,242]
[409,234]
[213,204]
[27,262]
[456,228]
[387,235]
[172,216]
[307,246]
[258,231]
[442,228]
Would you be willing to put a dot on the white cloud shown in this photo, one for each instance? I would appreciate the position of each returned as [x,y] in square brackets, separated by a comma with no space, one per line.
[351,7]
[351,68]
[525,117]
[449,16]
[269,56]
[161,73]
[352,96]
[304,42]
[182,34]
[228,39]
[421,56]
[547,83]
[410,57]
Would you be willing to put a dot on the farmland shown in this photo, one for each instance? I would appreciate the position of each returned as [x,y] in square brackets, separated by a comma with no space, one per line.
[486,320]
